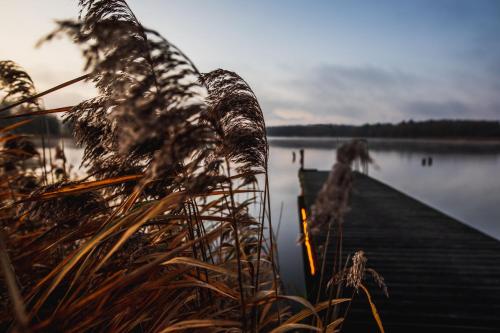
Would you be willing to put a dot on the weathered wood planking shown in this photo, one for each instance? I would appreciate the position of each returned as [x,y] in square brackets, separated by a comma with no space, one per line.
[443,276]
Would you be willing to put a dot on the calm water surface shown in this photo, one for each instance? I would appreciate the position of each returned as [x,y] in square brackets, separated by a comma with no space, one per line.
[463,181]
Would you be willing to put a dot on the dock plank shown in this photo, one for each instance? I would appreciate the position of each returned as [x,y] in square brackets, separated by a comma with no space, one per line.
[443,276]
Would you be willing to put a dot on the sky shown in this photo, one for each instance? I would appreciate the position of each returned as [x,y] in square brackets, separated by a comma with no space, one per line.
[331,61]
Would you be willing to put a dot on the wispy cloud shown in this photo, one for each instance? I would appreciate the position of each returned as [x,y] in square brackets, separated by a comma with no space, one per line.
[292,114]
[308,62]
[355,95]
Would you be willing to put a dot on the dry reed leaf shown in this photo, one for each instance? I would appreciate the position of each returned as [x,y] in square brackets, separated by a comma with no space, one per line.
[83,187]
[46,92]
[179,302]
[15,125]
[38,113]
[265,296]
[293,327]
[12,287]
[10,137]
[222,290]
[201,323]
[228,193]
[64,267]
[307,312]
[162,253]
[333,325]
[158,258]
[196,263]
[170,200]
[373,308]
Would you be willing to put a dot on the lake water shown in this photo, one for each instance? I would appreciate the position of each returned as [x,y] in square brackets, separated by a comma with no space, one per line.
[463,181]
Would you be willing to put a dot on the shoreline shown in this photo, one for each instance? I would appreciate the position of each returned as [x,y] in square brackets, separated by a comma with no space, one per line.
[457,141]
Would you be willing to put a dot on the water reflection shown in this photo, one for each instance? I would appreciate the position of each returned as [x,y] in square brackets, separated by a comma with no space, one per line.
[459,179]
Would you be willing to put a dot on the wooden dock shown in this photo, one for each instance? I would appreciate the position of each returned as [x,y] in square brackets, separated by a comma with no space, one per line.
[443,276]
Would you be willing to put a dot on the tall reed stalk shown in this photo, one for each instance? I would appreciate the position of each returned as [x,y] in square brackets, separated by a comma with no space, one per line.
[154,237]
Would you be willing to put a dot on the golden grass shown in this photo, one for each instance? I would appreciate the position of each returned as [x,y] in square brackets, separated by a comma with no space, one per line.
[153,238]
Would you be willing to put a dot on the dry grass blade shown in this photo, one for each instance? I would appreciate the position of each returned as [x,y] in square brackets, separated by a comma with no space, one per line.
[201,323]
[267,296]
[157,235]
[13,289]
[46,92]
[331,328]
[172,199]
[294,327]
[83,187]
[10,137]
[15,125]
[196,263]
[373,308]
[318,307]
[38,113]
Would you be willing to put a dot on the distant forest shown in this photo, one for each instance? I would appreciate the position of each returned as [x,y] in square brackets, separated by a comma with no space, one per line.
[45,124]
[480,129]
[406,129]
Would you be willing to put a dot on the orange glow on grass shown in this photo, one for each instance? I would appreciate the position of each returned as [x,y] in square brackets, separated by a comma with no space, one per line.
[306,241]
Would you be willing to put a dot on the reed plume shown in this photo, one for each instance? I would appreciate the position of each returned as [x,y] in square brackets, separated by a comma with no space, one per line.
[155,237]
[235,115]
[328,211]
[16,84]
[356,272]
[332,201]
[146,114]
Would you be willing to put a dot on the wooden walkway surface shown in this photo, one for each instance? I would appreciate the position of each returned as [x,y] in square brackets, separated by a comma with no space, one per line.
[443,276]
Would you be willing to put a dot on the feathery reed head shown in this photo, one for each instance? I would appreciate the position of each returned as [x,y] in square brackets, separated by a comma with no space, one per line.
[356,272]
[357,149]
[16,84]
[146,117]
[155,238]
[235,115]
[332,201]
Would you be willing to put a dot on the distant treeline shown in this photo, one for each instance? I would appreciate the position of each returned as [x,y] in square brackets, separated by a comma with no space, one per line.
[45,124]
[406,129]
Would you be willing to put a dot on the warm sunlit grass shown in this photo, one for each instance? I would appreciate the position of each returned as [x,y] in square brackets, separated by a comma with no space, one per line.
[153,238]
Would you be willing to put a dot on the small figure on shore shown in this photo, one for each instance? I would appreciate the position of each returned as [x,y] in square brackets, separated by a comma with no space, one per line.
[293,156]
[424,161]
[429,161]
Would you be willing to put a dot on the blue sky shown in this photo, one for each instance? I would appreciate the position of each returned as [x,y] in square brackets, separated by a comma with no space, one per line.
[344,61]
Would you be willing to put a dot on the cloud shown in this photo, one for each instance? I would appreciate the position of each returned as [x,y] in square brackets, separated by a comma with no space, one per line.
[356,95]
[447,109]
[292,114]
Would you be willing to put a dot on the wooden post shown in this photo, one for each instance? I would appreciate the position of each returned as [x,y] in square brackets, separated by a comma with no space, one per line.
[301,159]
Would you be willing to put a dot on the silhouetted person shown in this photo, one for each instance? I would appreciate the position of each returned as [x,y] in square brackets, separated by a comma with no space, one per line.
[429,161]
[424,161]
[293,156]
[302,158]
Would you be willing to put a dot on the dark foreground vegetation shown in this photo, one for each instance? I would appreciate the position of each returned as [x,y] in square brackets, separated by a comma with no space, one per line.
[169,229]
[447,129]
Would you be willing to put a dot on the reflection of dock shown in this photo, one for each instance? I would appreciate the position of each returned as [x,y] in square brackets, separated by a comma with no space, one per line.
[443,276]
